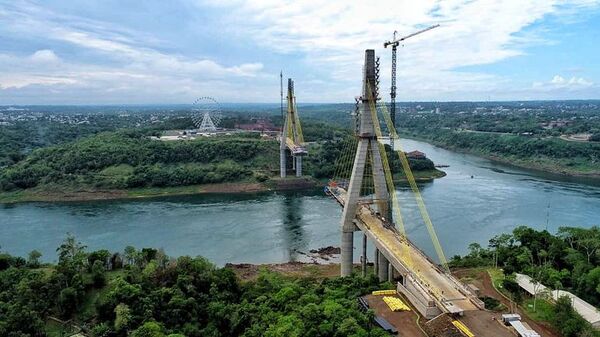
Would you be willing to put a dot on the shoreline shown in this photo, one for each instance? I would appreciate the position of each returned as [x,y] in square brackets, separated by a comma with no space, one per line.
[155,192]
[59,194]
[515,162]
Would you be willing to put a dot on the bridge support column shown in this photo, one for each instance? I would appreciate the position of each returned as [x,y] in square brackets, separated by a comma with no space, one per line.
[364,256]
[347,251]
[390,273]
[383,268]
[376,262]
[298,166]
[282,163]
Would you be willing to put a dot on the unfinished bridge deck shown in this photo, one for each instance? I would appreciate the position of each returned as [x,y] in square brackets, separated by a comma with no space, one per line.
[450,294]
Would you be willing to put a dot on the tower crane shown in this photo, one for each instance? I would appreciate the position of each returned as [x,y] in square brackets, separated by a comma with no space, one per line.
[395,42]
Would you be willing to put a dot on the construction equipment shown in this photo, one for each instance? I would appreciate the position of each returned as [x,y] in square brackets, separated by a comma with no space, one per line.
[395,43]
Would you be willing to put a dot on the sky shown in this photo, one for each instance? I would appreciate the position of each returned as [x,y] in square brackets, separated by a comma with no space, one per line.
[151,52]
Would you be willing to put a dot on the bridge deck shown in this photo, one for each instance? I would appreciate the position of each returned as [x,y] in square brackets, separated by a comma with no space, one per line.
[450,295]
[296,149]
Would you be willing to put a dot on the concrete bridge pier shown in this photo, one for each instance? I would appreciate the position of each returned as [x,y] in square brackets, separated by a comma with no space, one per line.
[282,163]
[383,268]
[376,262]
[347,251]
[364,256]
[298,166]
[390,273]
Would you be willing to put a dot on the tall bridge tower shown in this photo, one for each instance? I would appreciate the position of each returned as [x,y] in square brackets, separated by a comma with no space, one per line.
[369,200]
[367,156]
[291,139]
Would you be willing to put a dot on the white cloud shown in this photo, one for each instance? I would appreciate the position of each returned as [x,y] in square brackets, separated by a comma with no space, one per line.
[328,37]
[560,83]
[119,61]
[332,35]
[44,56]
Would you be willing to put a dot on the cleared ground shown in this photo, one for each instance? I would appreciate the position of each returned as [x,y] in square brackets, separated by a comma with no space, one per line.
[482,280]
[404,321]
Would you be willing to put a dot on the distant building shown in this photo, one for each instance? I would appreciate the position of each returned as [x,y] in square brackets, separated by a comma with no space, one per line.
[258,125]
[416,155]
[556,124]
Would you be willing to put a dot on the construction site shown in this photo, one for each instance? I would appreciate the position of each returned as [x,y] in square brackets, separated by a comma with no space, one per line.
[428,299]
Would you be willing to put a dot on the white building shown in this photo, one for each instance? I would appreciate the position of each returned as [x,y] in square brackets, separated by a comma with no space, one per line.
[583,308]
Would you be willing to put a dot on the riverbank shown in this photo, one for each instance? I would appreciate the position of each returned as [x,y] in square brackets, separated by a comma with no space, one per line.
[421,176]
[540,164]
[60,193]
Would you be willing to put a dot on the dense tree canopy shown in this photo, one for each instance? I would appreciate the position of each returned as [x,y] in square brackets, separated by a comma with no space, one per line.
[569,260]
[154,295]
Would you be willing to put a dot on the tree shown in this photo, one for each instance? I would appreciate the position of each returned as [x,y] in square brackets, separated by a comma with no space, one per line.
[513,287]
[123,317]
[499,242]
[101,255]
[98,274]
[71,255]
[567,321]
[101,330]
[68,301]
[130,255]
[33,259]
[149,329]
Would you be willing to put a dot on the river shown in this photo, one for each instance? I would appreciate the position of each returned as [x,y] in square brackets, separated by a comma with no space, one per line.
[476,200]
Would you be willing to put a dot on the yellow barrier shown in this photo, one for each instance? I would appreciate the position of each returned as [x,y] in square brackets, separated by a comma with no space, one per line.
[396,304]
[384,292]
[463,328]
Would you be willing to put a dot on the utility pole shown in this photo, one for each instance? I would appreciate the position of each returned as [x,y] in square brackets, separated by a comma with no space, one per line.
[395,43]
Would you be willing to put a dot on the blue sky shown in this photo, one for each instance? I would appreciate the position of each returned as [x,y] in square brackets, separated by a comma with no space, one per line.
[119,52]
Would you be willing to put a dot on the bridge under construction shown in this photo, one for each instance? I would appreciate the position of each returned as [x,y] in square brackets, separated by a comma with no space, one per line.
[291,138]
[370,205]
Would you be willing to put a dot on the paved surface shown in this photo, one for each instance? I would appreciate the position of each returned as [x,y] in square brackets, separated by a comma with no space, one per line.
[442,287]
[439,285]
[485,323]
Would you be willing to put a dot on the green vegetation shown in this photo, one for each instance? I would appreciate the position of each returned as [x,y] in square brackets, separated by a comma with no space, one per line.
[130,159]
[526,134]
[569,260]
[334,158]
[549,154]
[146,293]
[128,163]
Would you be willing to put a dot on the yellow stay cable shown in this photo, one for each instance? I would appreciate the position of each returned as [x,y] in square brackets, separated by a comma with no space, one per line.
[405,251]
[415,189]
[300,139]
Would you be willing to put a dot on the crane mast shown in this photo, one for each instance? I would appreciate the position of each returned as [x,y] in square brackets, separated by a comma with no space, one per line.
[395,43]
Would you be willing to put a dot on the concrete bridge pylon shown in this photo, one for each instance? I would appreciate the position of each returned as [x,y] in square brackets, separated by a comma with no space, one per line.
[367,149]
[291,140]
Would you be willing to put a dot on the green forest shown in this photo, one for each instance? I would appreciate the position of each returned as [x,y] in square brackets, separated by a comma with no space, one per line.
[131,159]
[143,293]
[551,154]
[568,260]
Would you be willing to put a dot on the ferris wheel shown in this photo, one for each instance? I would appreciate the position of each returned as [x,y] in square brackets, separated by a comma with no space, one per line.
[206,114]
